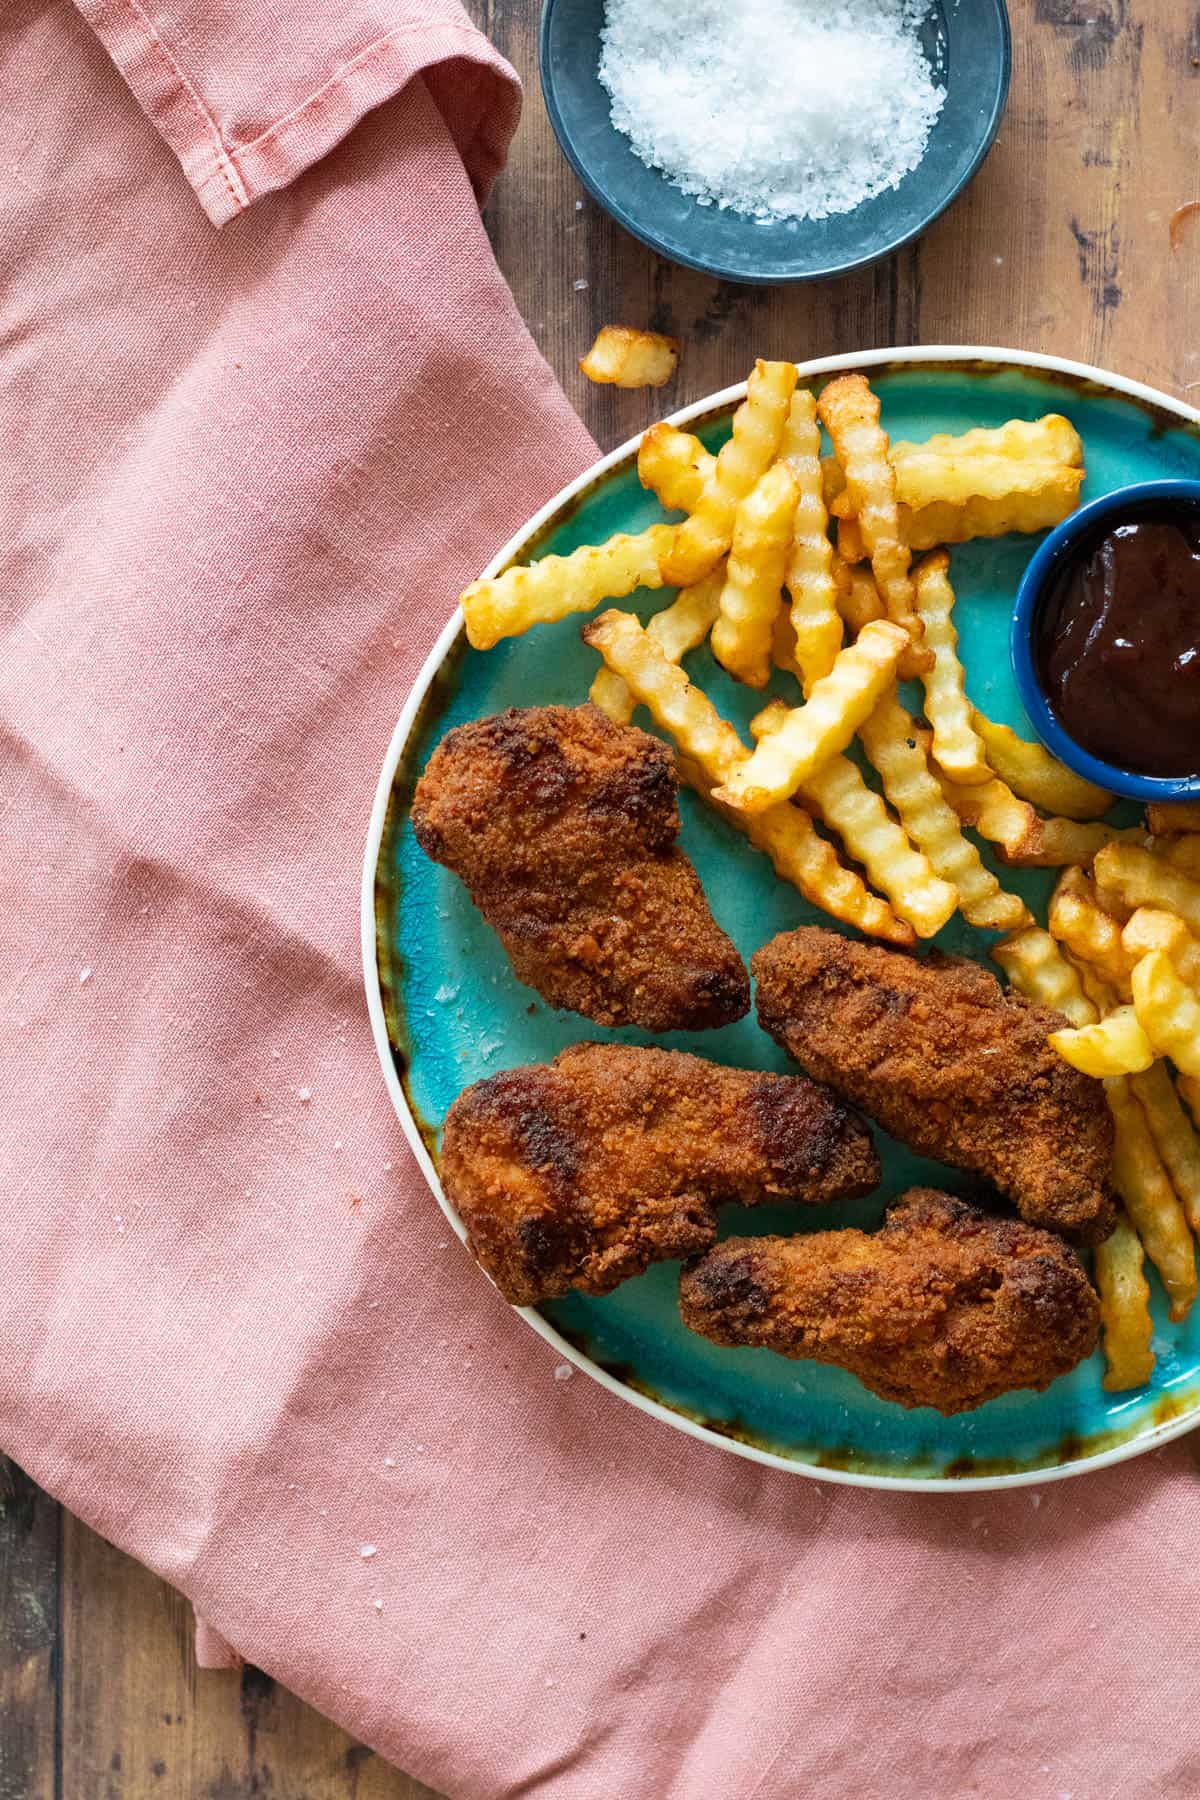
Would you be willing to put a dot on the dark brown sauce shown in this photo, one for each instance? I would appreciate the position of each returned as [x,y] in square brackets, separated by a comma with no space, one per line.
[1118,645]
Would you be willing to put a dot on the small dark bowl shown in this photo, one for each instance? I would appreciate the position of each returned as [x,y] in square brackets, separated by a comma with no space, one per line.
[969,46]
[1090,522]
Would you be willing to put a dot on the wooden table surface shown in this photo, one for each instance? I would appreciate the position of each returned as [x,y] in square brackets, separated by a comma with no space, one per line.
[1062,244]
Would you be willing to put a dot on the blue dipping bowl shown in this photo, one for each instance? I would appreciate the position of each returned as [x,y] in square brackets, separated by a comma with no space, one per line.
[969,47]
[1064,544]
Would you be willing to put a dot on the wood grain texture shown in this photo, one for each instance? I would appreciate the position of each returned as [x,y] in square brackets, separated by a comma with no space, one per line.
[1062,244]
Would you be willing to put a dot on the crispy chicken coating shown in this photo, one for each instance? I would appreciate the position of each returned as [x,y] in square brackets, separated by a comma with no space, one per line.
[950,1063]
[563,826]
[581,1172]
[945,1306]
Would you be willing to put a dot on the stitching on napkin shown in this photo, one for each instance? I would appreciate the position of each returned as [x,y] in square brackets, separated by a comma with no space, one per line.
[352,67]
[233,181]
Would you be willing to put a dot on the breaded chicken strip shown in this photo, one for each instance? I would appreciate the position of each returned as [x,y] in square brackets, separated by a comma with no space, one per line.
[945,1306]
[563,827]
[581,1172]
[950,1063]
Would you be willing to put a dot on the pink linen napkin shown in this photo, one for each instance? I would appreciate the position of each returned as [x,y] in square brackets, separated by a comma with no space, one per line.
[249,470]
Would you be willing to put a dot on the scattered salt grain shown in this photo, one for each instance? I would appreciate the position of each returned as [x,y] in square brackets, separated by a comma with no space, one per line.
[579,206]
[304,1095]
[783,109]
[389,1462]
[579,285]
[337,1143]
[366,1551]
[85,975]
[563,1372]
[378,1605]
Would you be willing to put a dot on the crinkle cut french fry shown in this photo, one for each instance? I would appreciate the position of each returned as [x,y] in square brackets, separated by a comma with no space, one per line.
[849,411]
[943,523]
[890,740]
[540,592]
[1037,968]
[848,806]
[812,733]
[678,628]
[1151,1202]
[1091,934]
[712,750]
[626,358]
[1142,879]
[1182,852]
[1124,1309]
[1152,929]
[753,592]
[745,457]
[851,546]
[957,749]
[1060,842]
[783,645]
[1052,438]
[1173,1134]
[1168,1010]
[675,466]
[1033,774]
[1117,1045]
[1175,815]
[809,579]
[993,810]
[856,596]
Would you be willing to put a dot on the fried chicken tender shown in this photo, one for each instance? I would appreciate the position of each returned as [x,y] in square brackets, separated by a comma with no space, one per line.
[581,1172]
[950,1063]
[945,1306]
[562,825]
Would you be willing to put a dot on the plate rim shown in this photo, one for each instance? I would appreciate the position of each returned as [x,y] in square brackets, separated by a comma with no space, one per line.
[1159,1434]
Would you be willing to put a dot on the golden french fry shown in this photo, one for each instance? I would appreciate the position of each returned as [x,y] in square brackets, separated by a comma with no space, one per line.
[753,592]
[741,462]
[1149,929]
[815,619]
[848,806]
[540,592]
[1117,1045]
[993,810]
[813,733]
[1037,968]
[1168,1010]
[890,740]
[1140,878]
[1173,1134]
[981,517]
[1183,853]
[1033,774]
[957,749]
[857,597]
[678,628]
[625,358]
[1051,439]
[675,465]
[851,545]
[1176,815]
[1060,842]
[1124,1309]
[712,751]
[783,645]
[1090,934]
[849,411]
[1151,1202]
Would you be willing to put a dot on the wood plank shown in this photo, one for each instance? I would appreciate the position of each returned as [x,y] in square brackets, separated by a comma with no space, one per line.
[140,1722]
[29,1637]
[1060,245]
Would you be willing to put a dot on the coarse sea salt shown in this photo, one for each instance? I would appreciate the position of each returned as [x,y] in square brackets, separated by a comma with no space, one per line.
[782,109]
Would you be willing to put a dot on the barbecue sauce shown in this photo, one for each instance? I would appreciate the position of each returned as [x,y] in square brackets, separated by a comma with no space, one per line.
[1117,645]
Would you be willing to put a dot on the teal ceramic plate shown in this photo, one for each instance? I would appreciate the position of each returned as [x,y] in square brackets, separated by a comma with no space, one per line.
[446,1009]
